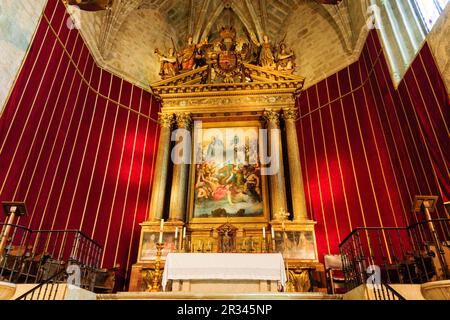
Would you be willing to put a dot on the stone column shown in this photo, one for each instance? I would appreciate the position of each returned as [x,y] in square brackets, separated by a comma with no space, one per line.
[180,178]
[295,169]
[277,181]
[161,168]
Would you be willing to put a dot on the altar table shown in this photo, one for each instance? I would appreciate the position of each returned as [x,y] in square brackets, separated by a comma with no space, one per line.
[223,272]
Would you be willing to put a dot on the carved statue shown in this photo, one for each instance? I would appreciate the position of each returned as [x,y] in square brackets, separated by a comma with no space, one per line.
[285,59]
[226,242]
[227,238]
[226,57]
[187,54]
[191,55]
[266,57]
[169,64]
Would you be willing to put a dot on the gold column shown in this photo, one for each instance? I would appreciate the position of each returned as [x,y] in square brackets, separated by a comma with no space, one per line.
[180,178]
[295,169]
[277,181]
[161,169]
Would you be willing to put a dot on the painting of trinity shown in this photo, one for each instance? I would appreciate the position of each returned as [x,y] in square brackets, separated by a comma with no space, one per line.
[228,179]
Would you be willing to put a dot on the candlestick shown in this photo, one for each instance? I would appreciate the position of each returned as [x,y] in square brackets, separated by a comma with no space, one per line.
[176,233]
[156,282]
[184,233]
[273,240]
[264,233]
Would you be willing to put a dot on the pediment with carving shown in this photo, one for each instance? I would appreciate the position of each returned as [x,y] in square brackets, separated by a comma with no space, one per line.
[227,73]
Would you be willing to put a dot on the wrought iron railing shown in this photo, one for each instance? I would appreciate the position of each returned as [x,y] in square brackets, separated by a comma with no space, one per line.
[49,289]
[36,256]
[384,291]
[396,255]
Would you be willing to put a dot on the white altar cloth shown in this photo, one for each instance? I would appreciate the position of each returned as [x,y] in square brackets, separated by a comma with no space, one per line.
[224,266]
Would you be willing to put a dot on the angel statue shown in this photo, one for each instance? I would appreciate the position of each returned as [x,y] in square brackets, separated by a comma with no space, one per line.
[285,59]
[266,57]
[169,63]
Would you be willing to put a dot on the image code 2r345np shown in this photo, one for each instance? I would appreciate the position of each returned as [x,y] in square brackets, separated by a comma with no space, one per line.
[236,309]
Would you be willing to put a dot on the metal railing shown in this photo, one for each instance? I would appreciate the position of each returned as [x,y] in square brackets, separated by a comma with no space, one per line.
[398,255]
[380,290]
[384,291]
[36,256]
[50,289]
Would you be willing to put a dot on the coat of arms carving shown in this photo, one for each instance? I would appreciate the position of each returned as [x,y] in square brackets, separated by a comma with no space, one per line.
[226,58]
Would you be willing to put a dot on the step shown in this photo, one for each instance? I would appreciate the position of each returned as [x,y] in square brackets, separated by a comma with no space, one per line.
[217,296]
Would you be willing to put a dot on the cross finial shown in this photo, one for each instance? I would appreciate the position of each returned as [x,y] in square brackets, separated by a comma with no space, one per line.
[283,215]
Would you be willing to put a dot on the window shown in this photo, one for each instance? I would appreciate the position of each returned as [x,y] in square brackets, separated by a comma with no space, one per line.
[442,3]
[404,25]
[430,10]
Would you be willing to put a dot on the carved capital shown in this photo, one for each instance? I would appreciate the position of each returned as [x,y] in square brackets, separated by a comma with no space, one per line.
[290,114]
[165,120]
[184,120]
[272,117]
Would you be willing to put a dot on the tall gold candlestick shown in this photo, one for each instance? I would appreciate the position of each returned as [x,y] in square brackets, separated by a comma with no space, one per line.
[156,285]
[273,239]
[264,245]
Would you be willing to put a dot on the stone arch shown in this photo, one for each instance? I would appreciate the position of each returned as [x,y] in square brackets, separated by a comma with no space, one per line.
[315,42]
[333,13]
[217,12]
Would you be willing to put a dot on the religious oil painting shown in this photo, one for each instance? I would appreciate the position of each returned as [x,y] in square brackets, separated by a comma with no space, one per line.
[149,240]
[298,245]
[227,173]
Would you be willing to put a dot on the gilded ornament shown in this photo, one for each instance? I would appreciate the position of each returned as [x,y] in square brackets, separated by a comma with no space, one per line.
[165,120]
[169,63]
[290,114]
[272,116]
[184,120]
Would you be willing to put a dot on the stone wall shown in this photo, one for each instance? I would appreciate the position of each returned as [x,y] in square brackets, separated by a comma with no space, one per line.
[18,21]
[131,54]
[134,46]
[319,48]
[358,15]
[439,43]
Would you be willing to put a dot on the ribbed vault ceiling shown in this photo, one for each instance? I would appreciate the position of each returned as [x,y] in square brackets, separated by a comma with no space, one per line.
[108,31]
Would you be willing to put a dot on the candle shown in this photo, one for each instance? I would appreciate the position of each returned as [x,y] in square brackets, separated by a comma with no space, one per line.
[264,232]
[176,233]
[273,233]
[162,225]
[184,233]
[160,237]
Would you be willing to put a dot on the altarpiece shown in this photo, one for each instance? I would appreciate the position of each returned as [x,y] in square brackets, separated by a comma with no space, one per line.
[230,107]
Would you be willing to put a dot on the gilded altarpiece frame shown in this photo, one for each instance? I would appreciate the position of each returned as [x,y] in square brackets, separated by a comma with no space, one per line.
[233,105]
[231,217]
